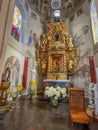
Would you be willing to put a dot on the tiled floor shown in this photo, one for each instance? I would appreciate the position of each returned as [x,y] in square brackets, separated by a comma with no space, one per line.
[35,115]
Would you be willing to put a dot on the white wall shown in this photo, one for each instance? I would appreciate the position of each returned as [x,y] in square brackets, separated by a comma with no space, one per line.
[85,45]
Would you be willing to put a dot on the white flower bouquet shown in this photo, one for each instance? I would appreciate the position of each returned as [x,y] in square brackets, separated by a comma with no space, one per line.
[55,92]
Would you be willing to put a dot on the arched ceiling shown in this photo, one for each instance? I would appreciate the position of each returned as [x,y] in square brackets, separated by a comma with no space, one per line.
[43,7]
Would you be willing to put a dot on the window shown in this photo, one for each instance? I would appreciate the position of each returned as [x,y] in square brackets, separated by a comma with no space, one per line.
[16,24]
[94,21]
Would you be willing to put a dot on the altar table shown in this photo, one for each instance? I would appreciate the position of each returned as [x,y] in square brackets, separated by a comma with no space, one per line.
[55,83]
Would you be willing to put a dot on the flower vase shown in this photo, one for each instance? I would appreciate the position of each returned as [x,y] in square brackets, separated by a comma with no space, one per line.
[54,102]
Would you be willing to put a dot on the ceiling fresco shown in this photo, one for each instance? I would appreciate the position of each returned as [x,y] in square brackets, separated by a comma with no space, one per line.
[44,8]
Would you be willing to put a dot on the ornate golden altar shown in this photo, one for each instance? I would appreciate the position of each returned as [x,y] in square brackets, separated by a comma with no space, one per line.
[57,57]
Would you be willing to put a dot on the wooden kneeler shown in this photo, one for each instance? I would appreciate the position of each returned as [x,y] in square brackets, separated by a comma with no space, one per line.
[77,106]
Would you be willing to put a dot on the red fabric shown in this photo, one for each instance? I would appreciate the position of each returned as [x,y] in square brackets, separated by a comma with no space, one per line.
[92,70]
[24,78]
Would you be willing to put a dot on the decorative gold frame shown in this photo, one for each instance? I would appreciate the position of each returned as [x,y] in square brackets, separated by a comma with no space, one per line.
[59,74]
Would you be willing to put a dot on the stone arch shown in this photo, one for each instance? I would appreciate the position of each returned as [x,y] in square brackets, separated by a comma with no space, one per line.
[12,65]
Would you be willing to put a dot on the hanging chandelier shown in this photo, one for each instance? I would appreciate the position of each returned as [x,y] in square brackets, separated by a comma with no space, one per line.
[55,4]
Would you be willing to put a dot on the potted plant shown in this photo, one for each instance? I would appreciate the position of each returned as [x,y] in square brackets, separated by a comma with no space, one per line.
[30,94]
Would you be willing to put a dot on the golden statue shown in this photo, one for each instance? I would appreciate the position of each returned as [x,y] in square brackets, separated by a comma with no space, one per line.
[71,65]
[3,91]
[43,42]
[43,65]
[70,45]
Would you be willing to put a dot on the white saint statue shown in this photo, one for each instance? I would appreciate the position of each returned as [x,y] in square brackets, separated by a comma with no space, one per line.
[33,71]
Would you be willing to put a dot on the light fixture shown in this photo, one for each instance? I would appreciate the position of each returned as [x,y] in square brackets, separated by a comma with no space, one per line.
[57,13]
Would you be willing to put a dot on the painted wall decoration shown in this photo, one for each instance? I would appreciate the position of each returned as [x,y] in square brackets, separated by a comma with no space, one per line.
[26,6]
[34,16]
[77,2]
[36,40]
[85,29]
[83,78]
[11,71]
[42,6]
[82,39]
[79,35]
[34,21]
[69,8]
[71,18]
[77,40]
[42,21]
[46,11]
[80,11]
[33,39]
[33,2]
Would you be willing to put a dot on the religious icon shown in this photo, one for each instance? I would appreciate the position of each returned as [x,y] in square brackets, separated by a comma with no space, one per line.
[57,37]
[56,66]
[30,40]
